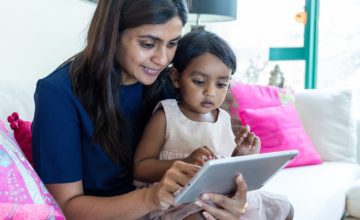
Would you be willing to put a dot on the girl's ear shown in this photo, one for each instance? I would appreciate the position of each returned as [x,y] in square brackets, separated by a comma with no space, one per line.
[175,77]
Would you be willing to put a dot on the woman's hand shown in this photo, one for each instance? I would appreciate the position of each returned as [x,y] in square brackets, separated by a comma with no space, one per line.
[226,208]
[200,156]
[175,177]
[246,142]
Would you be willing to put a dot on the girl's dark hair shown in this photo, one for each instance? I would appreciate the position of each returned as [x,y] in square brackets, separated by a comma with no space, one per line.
[196,43]
[95,74]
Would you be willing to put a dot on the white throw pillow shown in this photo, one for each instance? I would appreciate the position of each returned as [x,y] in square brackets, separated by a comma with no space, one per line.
[327,117]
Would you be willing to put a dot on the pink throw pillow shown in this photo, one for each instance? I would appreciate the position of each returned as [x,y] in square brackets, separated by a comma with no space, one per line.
[22,134]
[21,190]
[255,96]
[279,128]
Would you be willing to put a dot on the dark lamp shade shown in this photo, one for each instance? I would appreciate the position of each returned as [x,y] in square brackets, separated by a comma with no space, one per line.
[213,10]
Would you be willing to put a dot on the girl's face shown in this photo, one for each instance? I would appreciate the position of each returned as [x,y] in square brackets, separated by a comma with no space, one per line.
[203,86]
[146,50]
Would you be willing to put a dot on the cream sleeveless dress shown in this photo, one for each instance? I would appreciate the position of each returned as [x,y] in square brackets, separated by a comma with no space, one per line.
[183,136]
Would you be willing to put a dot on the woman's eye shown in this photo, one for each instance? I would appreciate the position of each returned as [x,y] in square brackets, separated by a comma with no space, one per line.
[172,44]
[147,45]
[199,82]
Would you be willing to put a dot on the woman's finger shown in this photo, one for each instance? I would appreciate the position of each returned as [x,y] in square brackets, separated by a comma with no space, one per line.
[208,216]
[241,190]
[174,178]
[211,210]
[181,172]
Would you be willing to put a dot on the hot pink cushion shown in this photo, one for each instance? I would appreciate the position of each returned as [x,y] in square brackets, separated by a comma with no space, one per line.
[279,128]
[21,190]
[255,96]
[22,134]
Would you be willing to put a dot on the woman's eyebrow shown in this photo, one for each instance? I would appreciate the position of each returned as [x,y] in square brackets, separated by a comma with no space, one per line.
[158,38]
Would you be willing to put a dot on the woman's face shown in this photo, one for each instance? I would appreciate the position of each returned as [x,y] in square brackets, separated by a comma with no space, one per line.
[146,50]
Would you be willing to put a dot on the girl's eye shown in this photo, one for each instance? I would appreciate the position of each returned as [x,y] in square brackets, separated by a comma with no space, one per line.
[199,82]
[222,85]
[147,45]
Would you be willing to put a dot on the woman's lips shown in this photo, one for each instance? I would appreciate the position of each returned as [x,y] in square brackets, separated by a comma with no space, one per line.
[151,71]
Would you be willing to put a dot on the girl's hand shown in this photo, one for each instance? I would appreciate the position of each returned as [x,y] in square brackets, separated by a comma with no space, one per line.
[200,156]
[175,177]
[225,207]
[246,142]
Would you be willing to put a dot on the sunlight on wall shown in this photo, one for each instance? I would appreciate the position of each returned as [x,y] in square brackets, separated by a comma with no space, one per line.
[255,31]
[38,35]
[258,28]
[339,44]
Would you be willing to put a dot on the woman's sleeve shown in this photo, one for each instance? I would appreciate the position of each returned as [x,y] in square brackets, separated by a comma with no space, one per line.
[56,134]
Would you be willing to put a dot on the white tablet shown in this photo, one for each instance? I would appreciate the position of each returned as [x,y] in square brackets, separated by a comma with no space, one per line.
[218,176]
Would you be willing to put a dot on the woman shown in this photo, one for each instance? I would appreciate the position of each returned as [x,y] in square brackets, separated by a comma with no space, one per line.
[90,112]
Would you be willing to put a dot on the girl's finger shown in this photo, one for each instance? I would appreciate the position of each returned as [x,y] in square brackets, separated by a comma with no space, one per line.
[209,152]
[250,138]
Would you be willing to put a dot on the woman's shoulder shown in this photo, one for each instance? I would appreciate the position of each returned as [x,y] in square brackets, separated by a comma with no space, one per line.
[58,79]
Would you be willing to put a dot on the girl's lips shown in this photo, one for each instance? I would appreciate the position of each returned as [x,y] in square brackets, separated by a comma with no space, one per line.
[207,104]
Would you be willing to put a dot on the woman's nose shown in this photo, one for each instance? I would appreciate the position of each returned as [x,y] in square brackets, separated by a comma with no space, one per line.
[161,56]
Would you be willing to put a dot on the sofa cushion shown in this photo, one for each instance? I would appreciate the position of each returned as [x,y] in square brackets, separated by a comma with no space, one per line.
[254,96]
[21,190]
[353,200]
[316,192]
[22,134]
[327,117]
[279,128]
[17,96]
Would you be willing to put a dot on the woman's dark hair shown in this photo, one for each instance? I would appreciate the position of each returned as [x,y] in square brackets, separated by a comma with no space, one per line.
[96,75]
[196,43]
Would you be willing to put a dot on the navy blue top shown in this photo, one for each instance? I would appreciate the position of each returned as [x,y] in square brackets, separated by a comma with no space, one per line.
[62,132]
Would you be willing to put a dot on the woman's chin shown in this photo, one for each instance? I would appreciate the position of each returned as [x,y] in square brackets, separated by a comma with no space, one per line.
[148,80]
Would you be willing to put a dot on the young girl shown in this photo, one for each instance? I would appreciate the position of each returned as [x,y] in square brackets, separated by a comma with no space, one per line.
[202,68]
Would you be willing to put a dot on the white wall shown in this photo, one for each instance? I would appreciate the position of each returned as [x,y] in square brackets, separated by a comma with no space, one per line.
[38,35]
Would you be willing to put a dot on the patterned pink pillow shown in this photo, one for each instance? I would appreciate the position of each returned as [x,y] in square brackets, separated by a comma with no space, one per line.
[22,194]
[279,128]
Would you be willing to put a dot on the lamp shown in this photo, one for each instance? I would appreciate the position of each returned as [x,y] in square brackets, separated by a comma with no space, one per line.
[212,11]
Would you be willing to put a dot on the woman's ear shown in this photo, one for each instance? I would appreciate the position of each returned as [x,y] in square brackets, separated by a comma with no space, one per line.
[175,77]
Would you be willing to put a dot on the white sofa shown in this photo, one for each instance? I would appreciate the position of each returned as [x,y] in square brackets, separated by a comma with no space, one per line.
[321,191]
[317,192]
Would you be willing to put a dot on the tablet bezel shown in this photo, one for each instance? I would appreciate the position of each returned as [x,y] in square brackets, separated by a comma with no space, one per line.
[264,165]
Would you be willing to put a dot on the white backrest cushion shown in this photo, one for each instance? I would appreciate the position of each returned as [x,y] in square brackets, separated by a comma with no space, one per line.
[327,117]
[17,96]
